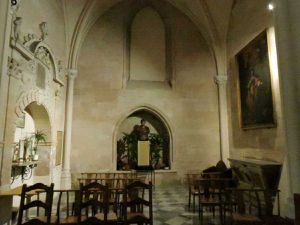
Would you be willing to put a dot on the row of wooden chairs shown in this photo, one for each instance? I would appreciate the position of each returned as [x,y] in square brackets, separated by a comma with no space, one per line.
[111,175]
[245,206]
[92,205]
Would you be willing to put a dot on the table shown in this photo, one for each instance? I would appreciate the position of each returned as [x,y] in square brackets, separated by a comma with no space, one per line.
[6,198]
[22,168]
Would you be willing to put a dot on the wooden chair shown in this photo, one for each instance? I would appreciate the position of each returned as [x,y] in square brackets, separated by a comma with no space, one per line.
[245,207]
[45,205]
[138,203]
[93,207]
[192,188]
[269,218]
[297,208]
[212,195]
[66,214]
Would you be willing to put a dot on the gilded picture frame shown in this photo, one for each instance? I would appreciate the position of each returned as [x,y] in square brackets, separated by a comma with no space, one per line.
[256,104]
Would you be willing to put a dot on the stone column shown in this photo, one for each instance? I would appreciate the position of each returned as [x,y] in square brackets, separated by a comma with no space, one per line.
[221,81]
[287,30]
[6,15]
[66,174]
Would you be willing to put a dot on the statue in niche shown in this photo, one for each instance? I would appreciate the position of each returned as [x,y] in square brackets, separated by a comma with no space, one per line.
[44,30]
[142,131]
[17,28]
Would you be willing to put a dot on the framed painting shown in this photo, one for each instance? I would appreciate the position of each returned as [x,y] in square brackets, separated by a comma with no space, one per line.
[255,89]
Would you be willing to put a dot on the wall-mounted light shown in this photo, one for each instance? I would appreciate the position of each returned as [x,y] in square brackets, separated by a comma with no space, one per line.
[270,6]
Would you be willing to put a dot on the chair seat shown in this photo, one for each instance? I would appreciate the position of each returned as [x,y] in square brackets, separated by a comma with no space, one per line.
[131,216]
[237,217]
[277,220]
[68,220]
[53,219]
[111,216]
[210,201]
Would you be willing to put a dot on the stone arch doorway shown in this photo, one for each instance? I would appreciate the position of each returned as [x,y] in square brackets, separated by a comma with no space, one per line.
[36,119]
[126,156]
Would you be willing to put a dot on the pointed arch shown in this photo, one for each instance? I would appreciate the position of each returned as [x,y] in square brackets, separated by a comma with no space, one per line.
[154,111]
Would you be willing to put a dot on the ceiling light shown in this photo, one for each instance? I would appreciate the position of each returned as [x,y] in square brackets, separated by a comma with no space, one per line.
[270,6]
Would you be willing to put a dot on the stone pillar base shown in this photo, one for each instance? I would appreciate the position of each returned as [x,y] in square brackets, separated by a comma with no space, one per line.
[65,180]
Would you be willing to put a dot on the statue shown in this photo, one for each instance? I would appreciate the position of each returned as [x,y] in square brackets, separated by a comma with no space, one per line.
[17,28]
[44,30]
[143,131]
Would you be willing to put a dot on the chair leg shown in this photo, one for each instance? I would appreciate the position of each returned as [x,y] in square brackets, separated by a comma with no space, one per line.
[194,205]
[190,200]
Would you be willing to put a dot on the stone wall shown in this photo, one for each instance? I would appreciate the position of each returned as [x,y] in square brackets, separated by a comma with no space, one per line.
[103,97]
[36,55]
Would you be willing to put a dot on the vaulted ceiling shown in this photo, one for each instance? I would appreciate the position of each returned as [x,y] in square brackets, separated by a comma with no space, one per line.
[210,16]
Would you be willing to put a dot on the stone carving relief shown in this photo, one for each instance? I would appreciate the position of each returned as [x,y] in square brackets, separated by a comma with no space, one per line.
[44,55]
[44,30]
[35,95]
[29,37]
[17,29]
[31,66]
[22,69]
[34,48]
[14,68]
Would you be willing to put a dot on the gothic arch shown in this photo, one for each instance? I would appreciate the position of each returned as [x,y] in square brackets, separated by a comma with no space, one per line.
[135,11]
[155,112]
[38,48]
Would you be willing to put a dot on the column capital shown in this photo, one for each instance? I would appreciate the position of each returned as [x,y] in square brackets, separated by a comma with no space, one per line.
[221,79]
[72,73]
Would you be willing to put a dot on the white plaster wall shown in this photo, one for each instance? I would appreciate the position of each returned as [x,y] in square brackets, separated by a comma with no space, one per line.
[100,103]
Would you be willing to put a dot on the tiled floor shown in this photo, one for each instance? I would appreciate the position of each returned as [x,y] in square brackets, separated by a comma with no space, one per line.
[170,207]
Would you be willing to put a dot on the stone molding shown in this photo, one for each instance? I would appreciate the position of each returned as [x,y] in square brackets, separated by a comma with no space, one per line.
[72,73]
[221,79]
[32,47]
[34,96]
[14,68]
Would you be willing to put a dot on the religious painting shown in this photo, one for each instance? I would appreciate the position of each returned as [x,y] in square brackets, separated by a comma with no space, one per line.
[256,100]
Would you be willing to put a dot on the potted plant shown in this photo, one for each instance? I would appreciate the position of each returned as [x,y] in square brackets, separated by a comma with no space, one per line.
[38,136]
[156,147]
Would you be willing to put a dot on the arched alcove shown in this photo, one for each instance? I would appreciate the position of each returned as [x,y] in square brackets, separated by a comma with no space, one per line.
[159,132]
[35,120]
[147,47]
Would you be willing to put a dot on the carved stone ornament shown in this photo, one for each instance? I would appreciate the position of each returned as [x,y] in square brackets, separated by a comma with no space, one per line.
[15,5]
[14,69]
[60,66]
[44,55]
[31,66]
[44,30]
[17,28]
[221,79]
[29,37]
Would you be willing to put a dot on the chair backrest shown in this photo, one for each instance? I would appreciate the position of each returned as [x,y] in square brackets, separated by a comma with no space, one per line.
[137,196]
[69,199]
[46,205]
[191,179]
[93,199]
[214,187]
[297,208]
[247,201]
